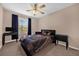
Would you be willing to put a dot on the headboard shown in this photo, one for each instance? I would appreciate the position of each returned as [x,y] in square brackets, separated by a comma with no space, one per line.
[52,32]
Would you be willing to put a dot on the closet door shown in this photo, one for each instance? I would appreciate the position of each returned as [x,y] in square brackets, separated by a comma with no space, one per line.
[15,26]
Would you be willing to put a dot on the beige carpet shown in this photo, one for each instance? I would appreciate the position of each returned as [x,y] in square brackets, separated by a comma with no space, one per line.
[14,49]
[57,50]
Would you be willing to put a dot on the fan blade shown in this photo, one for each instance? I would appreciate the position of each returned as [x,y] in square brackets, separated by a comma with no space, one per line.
[32,5]
[28,10]
[41,12]
[35,6]
[34,14]
[42,6]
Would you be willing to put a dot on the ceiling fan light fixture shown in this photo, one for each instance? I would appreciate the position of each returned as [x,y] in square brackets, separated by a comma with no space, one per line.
[36,8]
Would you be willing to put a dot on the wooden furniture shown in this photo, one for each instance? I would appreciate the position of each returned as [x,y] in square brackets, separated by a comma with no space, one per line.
[38,33]
[7,34]
[50,33]
[63,38]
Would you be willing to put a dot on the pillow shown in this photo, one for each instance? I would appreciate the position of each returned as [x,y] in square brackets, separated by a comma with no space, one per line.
[23,37]
[43,33]
[48,33]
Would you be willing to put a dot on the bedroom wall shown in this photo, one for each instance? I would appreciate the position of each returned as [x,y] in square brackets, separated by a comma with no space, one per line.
[1,18]
[65,21]
[7,21]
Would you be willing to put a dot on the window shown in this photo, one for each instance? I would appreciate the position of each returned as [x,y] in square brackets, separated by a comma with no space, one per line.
[23,26]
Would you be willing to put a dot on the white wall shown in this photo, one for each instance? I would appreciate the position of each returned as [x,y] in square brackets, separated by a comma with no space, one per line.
[7,21]
[65,21]
[1,18]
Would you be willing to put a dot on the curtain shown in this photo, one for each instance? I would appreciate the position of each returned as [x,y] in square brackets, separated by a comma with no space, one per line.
[15,26]
[29,26]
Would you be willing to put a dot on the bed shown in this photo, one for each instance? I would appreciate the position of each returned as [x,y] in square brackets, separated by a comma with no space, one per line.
[34,43]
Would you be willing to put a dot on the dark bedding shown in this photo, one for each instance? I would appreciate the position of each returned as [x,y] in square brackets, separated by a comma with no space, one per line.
[31,44]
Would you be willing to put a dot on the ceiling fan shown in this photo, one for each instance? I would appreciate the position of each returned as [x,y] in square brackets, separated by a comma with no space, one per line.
[37,8]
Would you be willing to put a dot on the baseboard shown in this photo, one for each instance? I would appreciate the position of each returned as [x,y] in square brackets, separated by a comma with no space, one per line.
[10,41]
[74,48]
[0,46]
[69,46]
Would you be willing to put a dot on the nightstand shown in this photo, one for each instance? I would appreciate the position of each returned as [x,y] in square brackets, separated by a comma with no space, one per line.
[63,38]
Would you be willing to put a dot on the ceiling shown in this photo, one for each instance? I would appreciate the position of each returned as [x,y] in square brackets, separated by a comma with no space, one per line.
[22,7]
